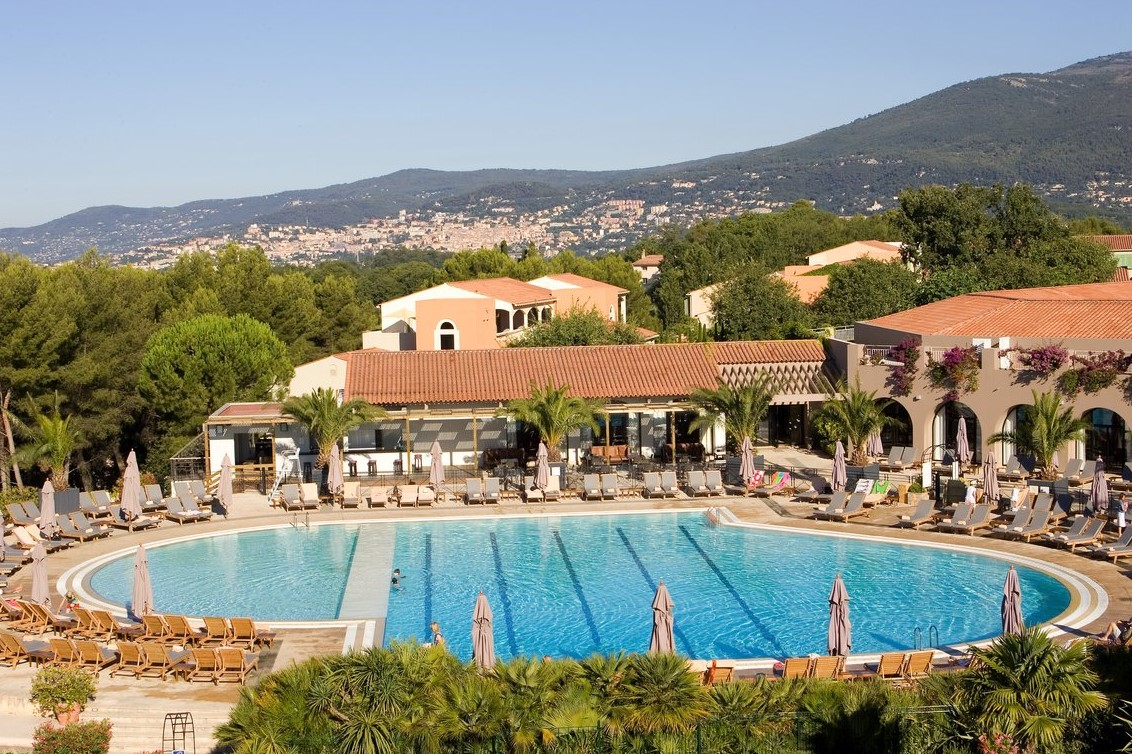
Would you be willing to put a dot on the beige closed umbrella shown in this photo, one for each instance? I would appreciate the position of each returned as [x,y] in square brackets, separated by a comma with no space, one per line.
[840,634]
[334,481]
[483,636]
[746,461]
[1012,622]
[40,586]
[436,465]
[662,640]
[224,486]
[132,493]
[143,588]
[542,469]
[48,527]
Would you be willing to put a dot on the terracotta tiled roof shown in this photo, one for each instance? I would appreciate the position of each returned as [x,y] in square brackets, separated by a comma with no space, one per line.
[514,292]
[584,282]
[1115,243]
[1121,275]
[649,260]
[1094,311]
[603,372]
[234,412]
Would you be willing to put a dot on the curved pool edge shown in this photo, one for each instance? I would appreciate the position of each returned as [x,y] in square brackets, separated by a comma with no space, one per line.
[1088,599]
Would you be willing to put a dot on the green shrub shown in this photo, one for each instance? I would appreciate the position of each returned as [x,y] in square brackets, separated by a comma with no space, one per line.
[61,687]
[18,495]
[77,738]
[916,487]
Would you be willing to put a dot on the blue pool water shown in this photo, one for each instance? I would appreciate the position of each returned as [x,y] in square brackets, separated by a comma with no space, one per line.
[575,585]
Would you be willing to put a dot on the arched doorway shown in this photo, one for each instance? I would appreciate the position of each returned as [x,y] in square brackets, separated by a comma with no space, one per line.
[1106,437]
[945,427]
[1016,421]
[897,435]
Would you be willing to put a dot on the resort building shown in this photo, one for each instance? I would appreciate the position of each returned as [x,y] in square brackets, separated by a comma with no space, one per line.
[456,398]
[987,352]
[648,267]
[486,313]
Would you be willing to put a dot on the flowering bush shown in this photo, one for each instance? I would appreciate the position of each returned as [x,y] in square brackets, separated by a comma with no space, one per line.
[957,371]
[903,376]
[997,743]
[1094,372]
[77,738]
[1044,360]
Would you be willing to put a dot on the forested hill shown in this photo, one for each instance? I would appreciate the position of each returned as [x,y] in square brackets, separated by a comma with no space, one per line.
[1067,133]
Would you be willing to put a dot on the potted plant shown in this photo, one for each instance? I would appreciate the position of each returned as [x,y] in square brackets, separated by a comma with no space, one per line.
[916,493]
[62,692]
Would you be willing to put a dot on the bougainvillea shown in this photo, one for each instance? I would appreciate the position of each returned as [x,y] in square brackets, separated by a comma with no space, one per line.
[903,375]
[956,372]
[1094,372]
[1044,360]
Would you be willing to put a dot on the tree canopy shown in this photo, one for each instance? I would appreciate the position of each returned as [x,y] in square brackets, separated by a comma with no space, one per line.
[584,327]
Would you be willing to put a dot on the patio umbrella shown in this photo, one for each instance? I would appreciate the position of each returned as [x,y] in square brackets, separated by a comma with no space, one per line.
[40,589]
[662,641]
[542,471]
[47,525]
[483,640]
[839,477]
[746,461]
[1098,495]
[990,479]
[436,467]
[224,488]
[1012,604]
[840,636]
[334,482]
[143,588]
[131,496]
[875,447]
[962,447]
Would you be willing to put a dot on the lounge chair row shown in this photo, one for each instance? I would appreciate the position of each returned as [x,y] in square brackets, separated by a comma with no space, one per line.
[902,667]
[826,666]
[900,458]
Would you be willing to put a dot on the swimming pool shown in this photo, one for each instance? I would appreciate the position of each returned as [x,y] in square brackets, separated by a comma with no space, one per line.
[573,585]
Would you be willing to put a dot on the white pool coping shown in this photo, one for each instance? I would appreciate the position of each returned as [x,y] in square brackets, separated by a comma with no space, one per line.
[1088,599]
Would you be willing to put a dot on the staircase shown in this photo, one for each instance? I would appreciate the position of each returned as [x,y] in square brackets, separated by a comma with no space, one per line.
[140,730]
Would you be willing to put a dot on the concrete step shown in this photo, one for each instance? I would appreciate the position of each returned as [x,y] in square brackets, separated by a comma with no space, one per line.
[136,731]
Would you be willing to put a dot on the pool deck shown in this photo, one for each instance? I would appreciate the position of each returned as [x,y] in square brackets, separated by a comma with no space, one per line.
[137,707]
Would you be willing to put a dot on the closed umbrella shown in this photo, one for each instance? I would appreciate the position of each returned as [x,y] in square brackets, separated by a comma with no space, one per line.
[990,479]
[40,589]
[483,640]
[1098,495]
[875,447]
[334,481]
[542,470]
[662,641]
[132,492]
[436,467]
[1012,604]
[224,488]
[1055,463]
[840,635]
[47,524]
[962,447]
[746,461]
[839,477]
[143,587]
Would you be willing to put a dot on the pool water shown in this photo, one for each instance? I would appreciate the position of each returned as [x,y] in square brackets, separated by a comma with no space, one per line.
[570,586]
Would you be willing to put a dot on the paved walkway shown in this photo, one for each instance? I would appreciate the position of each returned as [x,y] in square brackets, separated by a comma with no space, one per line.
[137,707]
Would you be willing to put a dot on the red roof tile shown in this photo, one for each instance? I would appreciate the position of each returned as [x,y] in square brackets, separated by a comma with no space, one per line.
[1095,311]
[235,411]
[514,292]
[605,372]
[649,260]
[1115,243]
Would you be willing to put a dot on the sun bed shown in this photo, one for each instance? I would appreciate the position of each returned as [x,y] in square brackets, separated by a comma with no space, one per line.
[473,492]
[491,489]
[891,666]
[175,510]
[111,629]
[697,485]
[836,504]
[1116,549]
[154,500]
[182,632]
[591,487]
[163,660]
[308,493]
[1014,470]
[713,478]
[827,666]
[918,664]
[235,664]
[796,667]
[777,482]
[203,497]
[21,516]
[246,633]
[351,495]
[156,629]
[93,508]
[1038,524]
[853,507]
[184,493]
[669,486]
[407,496]
[532,494]
[425,495]
[979,519]
[91,529]
[216,630]
[375,497]
[131,660]
[202,665]
[1124,483]
[923,514]
[651,481]
[962,512]
[1084,535]
[878,491]
[1073,469]
[609,486]
[92,656]
[118,520]
[553,491]
[14,650]
[63,652]
[892,462]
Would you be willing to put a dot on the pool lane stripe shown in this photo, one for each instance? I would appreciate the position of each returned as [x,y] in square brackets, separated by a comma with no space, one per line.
[501,582]
[680,637]
[586,612]
[427,587]
[758,624]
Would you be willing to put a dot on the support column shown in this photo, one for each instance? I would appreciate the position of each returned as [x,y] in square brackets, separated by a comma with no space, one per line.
[408,467]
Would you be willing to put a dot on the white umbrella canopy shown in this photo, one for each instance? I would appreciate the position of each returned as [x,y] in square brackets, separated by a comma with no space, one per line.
[436,465]
[132,493]
[662,640]
[143,588]
[542,470]
[334,481]
[839,477]
[40,586]
[1012,604]
[224,487]
[47,524]
[483,638]
[839,638]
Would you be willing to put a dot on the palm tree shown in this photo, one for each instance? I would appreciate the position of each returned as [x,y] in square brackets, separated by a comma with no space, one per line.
[1028,688]
[661,696]
[1047,427]
[742,407]
[554,413]
[327,420]
[855,413]
[51,441]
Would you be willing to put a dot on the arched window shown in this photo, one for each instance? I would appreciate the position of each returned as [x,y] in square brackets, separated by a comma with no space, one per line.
[518,320]
[446,337]
[546,314]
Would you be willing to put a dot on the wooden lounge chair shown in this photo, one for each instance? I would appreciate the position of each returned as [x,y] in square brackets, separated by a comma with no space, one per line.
[112,629]
[132,660]
[63,652]
[216,631]
[204,498]
[918,664]
[19,515]
[308,493]
[836,504]
[246,633]
[1088,535]
[609,486]
[375,497]
[28,537]
[14,650]
[697,484]
[533,494]
[980,519]
[118,520]
[1076,526]
[407,495]
[1073,469]
[88,527]
[878,491]
[182,632]
[89,506]
[1116,549]
[235,664]
[351,495]
[176,510]
[156,630]
[553,489]
[426,495]
[93,657]
[591,487]
[892,462]
[154,500]
[963,512]
[828,666]
[796,667]
[491,491]
[891,666]
[1038,524]
[772,485]
[669,486]
[713,478]
[473,491]
[202,665]
[925,512]
[164,660]
[1014,470]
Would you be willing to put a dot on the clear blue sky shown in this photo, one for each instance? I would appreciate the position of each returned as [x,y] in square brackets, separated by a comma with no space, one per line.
[159,103]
